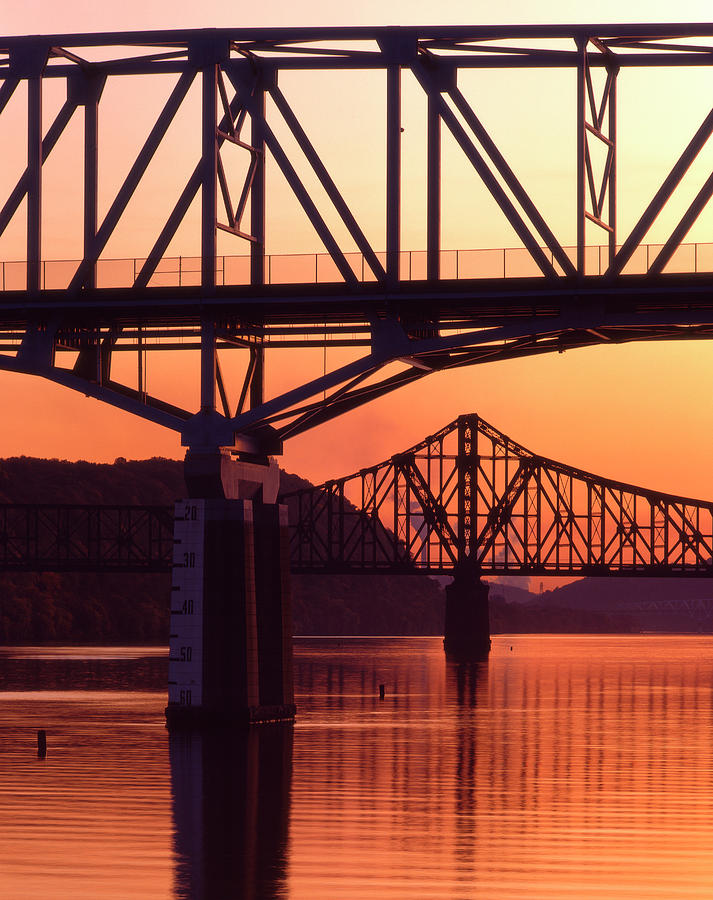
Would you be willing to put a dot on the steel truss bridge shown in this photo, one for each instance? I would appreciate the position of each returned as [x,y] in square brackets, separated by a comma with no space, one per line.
[466,497]
[67,321]
[471,497]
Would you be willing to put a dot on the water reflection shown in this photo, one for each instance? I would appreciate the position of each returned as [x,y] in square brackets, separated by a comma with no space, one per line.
[231,801]
[467,682]
[570,768]
[567,767]
[83,668]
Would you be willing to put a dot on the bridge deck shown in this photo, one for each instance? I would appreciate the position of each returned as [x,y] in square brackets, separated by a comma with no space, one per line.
[287,315]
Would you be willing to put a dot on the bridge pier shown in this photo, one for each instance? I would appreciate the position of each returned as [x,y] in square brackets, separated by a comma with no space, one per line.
[467,627]
[230,658]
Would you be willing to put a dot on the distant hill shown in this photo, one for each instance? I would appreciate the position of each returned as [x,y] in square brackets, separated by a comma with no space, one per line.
[630,594]
[646,604]
[607,605]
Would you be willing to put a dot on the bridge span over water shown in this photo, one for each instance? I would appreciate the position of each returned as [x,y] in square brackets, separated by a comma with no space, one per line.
[466,498]
[418,309]
[402,313]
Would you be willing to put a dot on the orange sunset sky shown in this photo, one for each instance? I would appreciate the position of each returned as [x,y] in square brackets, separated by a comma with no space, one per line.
[638,413]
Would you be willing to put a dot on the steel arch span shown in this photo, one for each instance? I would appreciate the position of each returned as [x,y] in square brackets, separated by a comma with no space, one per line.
[425,309]
[469,498]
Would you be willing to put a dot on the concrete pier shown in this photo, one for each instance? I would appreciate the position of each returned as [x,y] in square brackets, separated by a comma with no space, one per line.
[467,627]
[230,659]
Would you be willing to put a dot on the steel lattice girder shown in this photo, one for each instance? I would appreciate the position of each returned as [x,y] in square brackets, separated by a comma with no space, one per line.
[83,538]
[469,496]
[428,324]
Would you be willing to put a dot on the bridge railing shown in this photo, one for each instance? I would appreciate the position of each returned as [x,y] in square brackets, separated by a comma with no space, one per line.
[319,268]
[72,537]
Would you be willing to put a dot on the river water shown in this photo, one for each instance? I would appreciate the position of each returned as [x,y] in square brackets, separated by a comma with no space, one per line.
[565,767]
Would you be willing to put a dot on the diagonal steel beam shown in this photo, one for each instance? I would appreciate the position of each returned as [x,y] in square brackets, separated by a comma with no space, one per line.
[662,196]
[327,182]
[366,364]
[132,180]
[511,180]
[19,192]
[482,168]
[183,203]
[353,399]
[114,394]
[225,191]
[302,194]
[500,515]
[327,405]
[681,230]
[7,90]
[247,381]
[221,387]
[435,514]
[611,76]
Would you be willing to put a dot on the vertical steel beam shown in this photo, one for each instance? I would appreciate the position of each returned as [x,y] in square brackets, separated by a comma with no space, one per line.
[91,170]
[612,171]
[209,166]
[257,191]
[34,182]
[466,462]
[257,229]
[208,366]
[209,182]
[433,205]
[581,151]
[140,361]
[393,171]
[257,383]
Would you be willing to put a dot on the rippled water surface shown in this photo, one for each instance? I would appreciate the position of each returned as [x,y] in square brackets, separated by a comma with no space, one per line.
[565,767]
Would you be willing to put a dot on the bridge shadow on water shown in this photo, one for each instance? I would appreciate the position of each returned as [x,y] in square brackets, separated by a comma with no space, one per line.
[231,802]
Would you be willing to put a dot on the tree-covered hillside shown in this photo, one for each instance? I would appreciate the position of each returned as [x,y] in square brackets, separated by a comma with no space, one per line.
[134,608]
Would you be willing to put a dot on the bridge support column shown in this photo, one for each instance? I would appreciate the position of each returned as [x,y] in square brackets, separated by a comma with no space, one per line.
[230,659]
[467,627]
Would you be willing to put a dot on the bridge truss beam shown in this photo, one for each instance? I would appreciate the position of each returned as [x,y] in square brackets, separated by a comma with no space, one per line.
[84,538]
[470,498]
[467,498]
[70,327]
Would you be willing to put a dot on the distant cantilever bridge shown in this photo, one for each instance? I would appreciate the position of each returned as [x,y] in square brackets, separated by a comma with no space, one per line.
[467,497]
